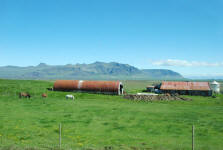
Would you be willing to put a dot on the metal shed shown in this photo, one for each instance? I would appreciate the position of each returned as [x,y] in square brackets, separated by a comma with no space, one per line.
[106,87]
[186,88]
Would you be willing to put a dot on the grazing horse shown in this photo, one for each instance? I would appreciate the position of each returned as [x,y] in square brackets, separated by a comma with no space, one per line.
[26,95]
[44,95]
[70,97]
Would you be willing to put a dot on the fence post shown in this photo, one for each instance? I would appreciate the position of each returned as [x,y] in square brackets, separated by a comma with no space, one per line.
[60,136]
[193,128]
[1,138]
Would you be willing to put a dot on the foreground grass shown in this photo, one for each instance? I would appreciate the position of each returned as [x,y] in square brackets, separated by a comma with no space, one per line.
[101,121]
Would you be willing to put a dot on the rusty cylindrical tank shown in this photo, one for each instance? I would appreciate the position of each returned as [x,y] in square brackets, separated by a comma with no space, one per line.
[106,87]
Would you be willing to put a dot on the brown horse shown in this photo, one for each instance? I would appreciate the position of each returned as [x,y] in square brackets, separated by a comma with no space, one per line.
[26,95]
[44,95]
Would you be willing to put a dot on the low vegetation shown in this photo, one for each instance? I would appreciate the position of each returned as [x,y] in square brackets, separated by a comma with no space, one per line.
[94,121]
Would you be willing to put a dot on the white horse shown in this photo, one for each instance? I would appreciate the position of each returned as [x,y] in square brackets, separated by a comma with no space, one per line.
[70,97]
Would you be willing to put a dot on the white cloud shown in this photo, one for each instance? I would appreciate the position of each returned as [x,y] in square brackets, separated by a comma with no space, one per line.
[185,63]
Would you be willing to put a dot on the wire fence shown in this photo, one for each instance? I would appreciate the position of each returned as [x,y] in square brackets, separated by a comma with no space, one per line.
[6,143]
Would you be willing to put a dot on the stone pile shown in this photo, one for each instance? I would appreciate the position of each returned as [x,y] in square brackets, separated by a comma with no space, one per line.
[161,97]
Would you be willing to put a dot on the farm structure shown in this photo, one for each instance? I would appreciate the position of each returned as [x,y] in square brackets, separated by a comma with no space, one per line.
[215,86]
[150,88]
[186,88]
[105,87]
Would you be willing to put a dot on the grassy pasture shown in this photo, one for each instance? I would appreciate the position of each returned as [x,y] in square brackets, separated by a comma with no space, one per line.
[96,121]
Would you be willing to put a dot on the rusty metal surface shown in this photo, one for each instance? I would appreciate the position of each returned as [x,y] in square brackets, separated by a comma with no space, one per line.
[65,85]
[104,86]
[170,85]
[93,86]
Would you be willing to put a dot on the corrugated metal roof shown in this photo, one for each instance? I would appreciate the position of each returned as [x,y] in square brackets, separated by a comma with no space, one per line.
[172,85]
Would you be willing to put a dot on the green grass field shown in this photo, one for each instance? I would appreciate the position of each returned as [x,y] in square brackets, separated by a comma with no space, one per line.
[95,121]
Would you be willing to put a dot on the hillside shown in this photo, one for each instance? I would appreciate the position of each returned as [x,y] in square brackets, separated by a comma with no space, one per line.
[97,71]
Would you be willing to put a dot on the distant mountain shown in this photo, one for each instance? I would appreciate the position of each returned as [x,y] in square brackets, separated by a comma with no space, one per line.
[206,77]
[96,71]
[163,73]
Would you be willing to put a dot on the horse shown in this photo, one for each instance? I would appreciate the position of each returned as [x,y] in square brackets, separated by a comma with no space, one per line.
[44,95]
[70,97]
[26,95]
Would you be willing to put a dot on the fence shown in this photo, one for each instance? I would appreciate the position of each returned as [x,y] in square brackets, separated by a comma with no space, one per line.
[61,146]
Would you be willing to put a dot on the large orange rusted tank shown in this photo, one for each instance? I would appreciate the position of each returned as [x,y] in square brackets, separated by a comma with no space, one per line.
[106,87]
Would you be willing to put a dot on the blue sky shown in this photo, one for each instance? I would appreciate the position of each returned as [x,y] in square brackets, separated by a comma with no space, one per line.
[183,35]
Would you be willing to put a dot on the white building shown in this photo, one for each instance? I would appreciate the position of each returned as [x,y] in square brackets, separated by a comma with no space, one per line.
[215,86]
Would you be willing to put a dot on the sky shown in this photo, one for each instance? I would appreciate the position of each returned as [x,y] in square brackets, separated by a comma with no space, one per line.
[182,35]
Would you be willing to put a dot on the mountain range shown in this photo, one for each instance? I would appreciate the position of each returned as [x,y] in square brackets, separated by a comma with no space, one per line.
[93,71]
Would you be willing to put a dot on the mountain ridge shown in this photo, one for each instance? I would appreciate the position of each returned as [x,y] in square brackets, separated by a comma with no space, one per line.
[97,71]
